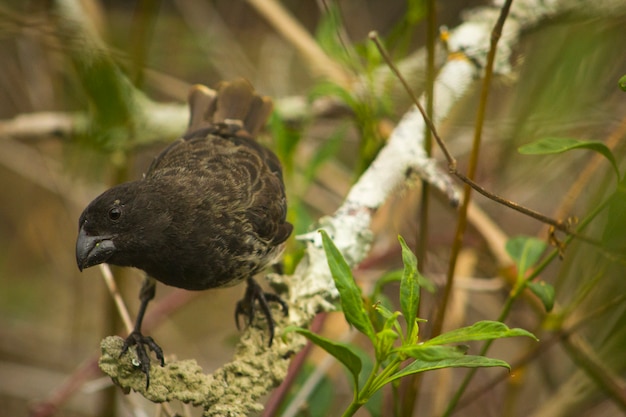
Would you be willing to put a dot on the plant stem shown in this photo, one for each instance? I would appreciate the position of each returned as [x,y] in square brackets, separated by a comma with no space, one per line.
[352,408]
[413,384]
[431,30]
[471,170]
[374,382]
[357,400]
[381,378]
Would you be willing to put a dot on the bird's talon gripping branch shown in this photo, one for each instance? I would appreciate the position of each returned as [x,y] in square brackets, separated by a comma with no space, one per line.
[248,305]
[140,342]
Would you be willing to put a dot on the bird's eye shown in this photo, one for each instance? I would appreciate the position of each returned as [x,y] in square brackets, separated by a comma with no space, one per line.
[115,213]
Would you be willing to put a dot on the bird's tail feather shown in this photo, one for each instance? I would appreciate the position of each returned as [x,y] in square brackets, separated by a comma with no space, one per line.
[233,102]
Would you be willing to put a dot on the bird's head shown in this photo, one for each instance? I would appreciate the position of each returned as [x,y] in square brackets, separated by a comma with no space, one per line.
[109,230]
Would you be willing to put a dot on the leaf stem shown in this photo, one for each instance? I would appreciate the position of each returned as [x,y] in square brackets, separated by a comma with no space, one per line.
[381,379]
[375,381]
[358,399]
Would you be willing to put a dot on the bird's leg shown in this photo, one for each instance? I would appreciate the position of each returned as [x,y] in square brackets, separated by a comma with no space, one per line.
[247,306]
[147,292]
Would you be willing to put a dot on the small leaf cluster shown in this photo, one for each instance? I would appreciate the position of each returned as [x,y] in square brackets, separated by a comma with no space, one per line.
[526,252]
[398,350]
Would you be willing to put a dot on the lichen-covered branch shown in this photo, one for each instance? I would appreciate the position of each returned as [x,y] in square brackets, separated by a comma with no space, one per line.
[233,390]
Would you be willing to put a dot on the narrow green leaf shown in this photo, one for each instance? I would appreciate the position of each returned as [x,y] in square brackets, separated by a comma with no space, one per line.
[382,306]
[482,330]
[342,352]
[386,313]
[391,324]
[391,318]
[545,292]
[409,287]
[469,361]
[433,353]
[553,145]
[525,251]
[349,292]
[396,275]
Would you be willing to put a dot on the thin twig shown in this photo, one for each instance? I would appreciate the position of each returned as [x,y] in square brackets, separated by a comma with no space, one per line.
[373,35]
[558,224]
[107,276]
[452,163]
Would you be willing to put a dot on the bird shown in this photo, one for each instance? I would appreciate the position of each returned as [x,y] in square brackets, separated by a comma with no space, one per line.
[209,212]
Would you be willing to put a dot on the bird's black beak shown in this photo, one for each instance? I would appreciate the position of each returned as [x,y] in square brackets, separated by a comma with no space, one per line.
[92,250]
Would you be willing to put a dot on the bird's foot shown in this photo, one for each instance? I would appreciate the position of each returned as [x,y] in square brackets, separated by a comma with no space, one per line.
[256,296]
[141,341]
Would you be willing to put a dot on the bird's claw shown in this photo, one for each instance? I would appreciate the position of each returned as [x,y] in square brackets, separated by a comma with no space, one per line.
[248,305]
[141,341]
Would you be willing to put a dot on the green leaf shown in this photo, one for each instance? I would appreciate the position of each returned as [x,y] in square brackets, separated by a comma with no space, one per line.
[383,306]
[525,251]
[433,353]
[553,145]
[409,287]
[386,313]
[622,82]
[384,343]
[391,331]
[349,292]
[396,275]
[342,352]
[545,292]
[418,366]
[482,330]
[391,318]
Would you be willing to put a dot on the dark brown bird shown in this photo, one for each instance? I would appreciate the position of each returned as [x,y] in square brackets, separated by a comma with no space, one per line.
[209,212]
